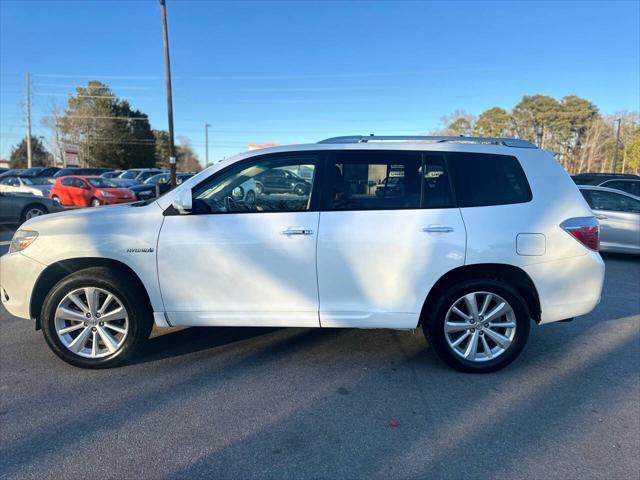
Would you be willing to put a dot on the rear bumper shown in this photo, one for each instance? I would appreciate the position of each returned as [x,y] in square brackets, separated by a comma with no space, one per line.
[18,276]
[568,287]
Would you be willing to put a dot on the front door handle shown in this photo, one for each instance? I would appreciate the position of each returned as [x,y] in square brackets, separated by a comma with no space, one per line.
[601,217]
[297,231]
[437,229]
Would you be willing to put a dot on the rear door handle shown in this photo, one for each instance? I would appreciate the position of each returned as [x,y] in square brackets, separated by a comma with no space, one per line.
[297,231]
[437,229]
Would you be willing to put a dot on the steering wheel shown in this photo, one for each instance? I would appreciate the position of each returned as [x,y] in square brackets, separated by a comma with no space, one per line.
[230,203]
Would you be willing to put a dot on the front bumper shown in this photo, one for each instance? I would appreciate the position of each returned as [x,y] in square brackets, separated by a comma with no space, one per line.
[568,287]
[18,277]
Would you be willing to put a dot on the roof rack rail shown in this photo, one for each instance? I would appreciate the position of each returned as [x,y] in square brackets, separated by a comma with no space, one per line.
[507,142]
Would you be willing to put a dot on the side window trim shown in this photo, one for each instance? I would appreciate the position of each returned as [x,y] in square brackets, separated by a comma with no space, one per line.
[314,204]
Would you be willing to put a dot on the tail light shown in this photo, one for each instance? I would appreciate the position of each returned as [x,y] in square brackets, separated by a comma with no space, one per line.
[584,229]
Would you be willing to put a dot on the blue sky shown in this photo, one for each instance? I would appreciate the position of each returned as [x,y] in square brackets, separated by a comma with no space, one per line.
[287,72]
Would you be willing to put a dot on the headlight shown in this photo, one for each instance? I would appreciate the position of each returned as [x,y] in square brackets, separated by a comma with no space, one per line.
[106,194]
[21,240]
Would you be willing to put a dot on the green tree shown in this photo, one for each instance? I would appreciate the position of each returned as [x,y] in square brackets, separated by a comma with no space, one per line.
[458,123]
[535,117]
[186,158]
[40,157]
[632,155]
[495,122]
[109,132]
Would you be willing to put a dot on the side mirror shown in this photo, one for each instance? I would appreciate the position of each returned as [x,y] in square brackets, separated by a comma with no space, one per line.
[182,202]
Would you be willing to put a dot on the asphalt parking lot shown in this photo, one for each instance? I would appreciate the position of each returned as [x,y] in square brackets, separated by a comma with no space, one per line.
[302,403]
[5,237]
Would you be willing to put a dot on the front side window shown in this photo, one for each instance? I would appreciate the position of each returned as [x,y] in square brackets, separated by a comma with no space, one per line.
[482,179]
[67,182]
[393,180]
[272,184]
[613,202]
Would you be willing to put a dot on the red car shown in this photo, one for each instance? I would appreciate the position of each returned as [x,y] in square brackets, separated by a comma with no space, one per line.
[79,191]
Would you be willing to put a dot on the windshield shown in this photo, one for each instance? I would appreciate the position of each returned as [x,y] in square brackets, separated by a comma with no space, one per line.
[130,174]
[145,175]
[157,178]
[36,181]
[102,183]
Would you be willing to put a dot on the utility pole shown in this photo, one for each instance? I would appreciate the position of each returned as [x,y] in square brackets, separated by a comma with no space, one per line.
[28,105]
[206,143]
[167,74]
[615,155]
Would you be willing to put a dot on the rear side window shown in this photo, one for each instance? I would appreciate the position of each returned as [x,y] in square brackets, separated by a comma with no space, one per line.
[481,179]
[613,202]
[67,182]
[387,180]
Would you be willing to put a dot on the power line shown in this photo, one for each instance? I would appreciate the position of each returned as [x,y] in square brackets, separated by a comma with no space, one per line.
[113,87]
[114,97]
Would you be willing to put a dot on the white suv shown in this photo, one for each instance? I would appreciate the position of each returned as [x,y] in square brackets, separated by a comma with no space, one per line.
[469,238]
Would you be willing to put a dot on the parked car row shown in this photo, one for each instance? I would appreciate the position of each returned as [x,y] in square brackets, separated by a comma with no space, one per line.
[25,193]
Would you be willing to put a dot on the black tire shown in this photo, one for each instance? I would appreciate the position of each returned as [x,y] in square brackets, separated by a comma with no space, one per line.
[250,199]
[24,216]
[259,188]
[56,199]
[132,297]
[94,202]
[434,321]
[300,189]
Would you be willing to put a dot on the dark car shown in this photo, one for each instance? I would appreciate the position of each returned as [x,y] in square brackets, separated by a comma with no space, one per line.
[625,182]
[85,172]
[598,178]
[112,174]
[279,180]
[147,189]
[12,172]
[17,208]
[40,172]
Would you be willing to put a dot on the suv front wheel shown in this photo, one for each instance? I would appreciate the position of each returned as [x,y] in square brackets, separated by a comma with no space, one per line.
[478,325]
[96,318]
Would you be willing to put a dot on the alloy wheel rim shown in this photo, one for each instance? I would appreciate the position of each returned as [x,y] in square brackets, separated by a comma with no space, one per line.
[480,326]
[33,212]
[91,322]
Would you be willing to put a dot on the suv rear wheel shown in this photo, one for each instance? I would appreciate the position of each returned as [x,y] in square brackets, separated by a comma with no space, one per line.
[96,318]
[478,325]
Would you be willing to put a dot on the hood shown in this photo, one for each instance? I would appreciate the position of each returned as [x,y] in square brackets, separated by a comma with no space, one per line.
[94,215]
[122,192]
[141,187]
[125,182]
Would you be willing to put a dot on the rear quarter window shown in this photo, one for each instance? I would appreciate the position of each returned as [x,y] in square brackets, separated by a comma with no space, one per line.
[483,179]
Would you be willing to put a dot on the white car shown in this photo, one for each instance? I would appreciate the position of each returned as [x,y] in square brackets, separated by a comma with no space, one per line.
[38,186]
[484,236]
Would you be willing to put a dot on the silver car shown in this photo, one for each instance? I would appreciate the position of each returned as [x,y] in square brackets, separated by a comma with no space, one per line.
[17,208]
[38,186]
[619,216]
